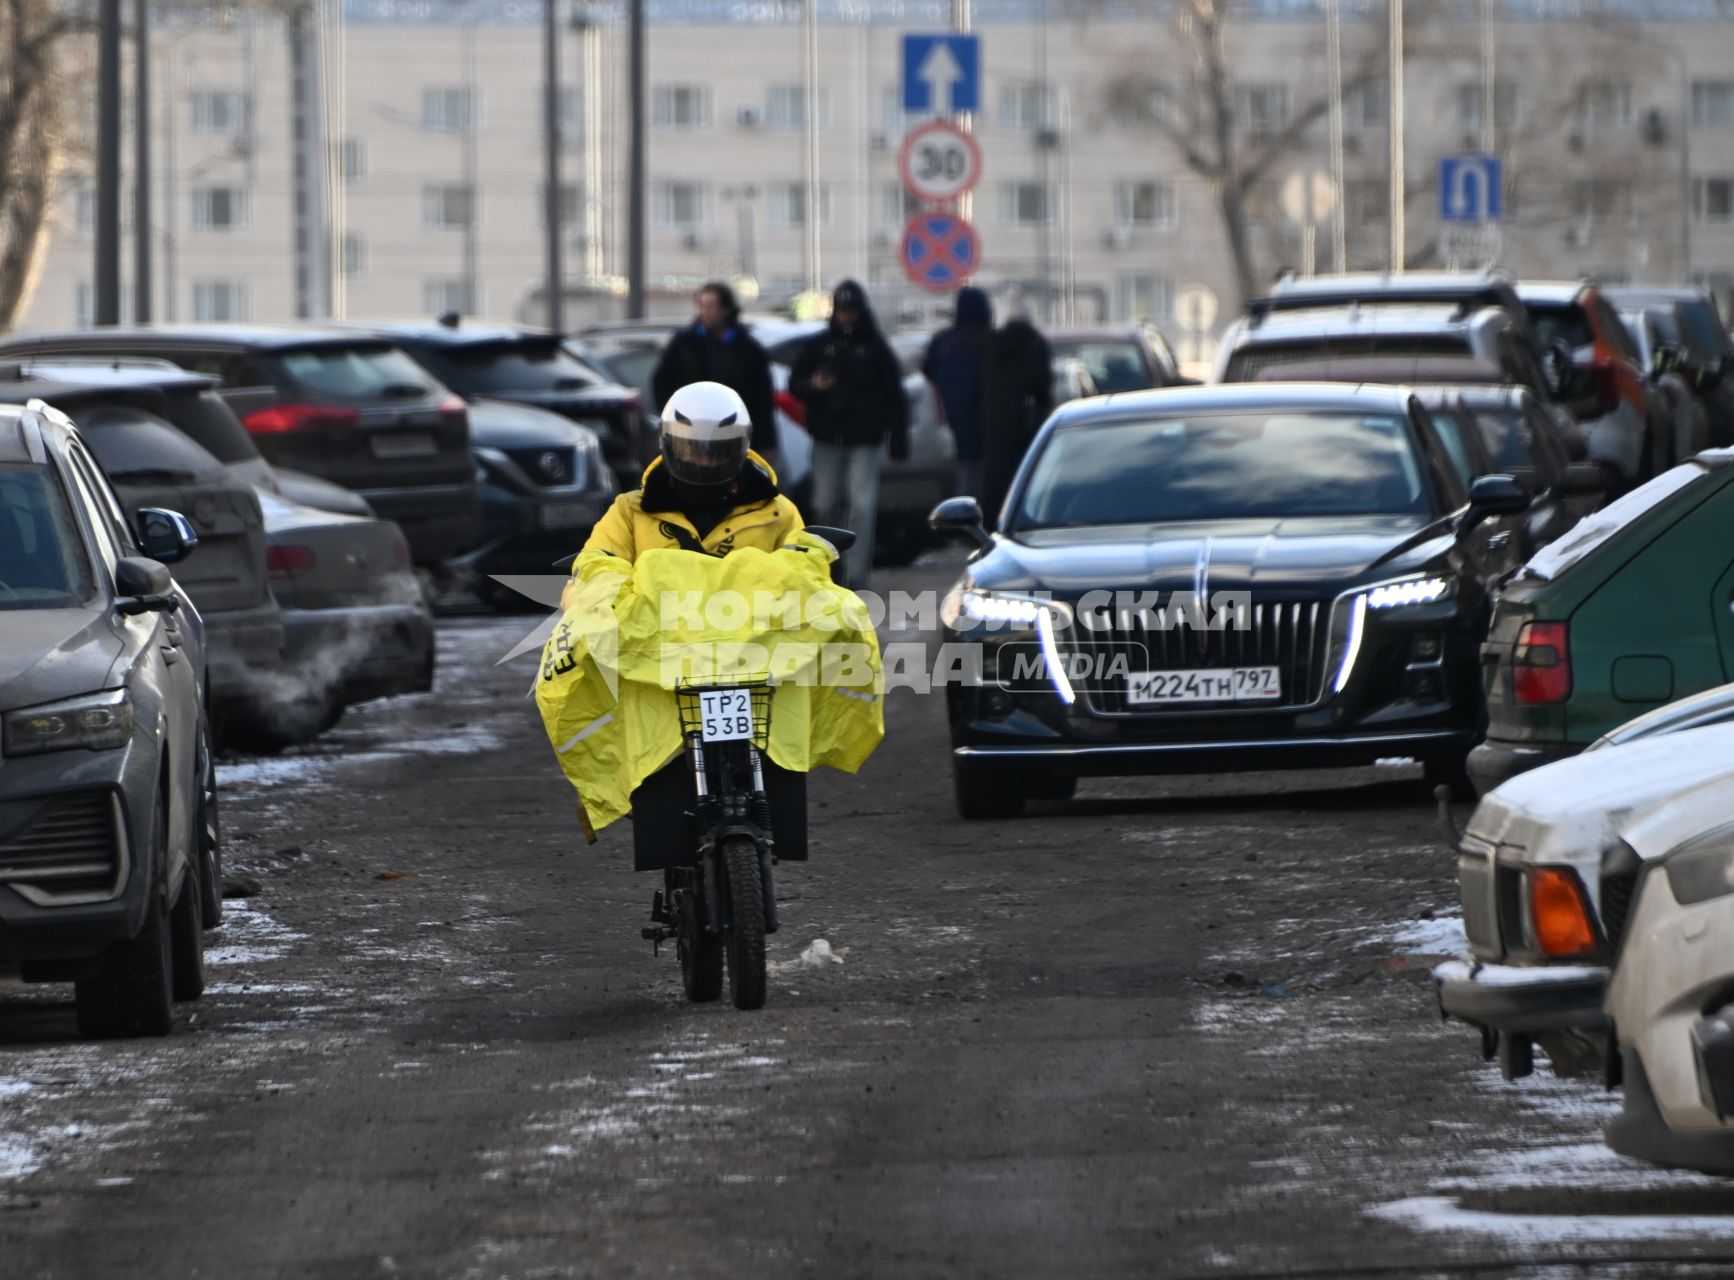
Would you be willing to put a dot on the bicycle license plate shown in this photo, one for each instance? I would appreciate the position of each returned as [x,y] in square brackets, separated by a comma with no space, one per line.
[725,715]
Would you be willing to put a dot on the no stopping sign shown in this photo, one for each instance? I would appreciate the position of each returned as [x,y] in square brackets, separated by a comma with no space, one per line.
[939,162]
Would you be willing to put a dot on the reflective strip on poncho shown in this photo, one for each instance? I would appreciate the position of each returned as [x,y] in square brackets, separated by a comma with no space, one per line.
[629,633]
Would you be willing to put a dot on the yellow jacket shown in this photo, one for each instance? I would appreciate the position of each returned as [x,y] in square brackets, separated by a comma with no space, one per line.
[646,518]
[629,633]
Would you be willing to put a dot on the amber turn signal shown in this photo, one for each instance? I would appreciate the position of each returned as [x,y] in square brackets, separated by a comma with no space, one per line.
[1558,914]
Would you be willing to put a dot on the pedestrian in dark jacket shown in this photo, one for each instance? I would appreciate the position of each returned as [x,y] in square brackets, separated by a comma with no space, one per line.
[717,347]
[850,381]
[1018,397]
[956,366]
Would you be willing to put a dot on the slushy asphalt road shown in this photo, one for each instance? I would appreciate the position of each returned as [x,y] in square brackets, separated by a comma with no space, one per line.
[1175,1028]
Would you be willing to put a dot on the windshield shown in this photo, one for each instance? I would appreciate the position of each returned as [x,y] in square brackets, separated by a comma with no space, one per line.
[1704,330]
[131,443]
[1566,324]
[1116,366]
[357,373]
[1325,357]
[1448,423]
[1510,440]
[205,417]
[1220,466]
[42,559]
[489,368]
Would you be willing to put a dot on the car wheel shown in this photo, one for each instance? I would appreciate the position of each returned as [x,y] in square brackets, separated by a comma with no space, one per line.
[187,940]
[133,992]
[1450,771]
[208,831]
[983,793]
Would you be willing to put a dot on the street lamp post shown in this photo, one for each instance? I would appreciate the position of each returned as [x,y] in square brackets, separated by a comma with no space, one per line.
[107,273]
[554,283]
[1399,250]
[141,214]
[635,161]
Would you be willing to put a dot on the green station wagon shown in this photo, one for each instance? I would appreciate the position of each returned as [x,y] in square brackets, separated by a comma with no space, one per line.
[1630,610]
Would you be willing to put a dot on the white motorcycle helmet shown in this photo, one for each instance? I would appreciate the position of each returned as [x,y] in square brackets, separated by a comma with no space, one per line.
[706,432]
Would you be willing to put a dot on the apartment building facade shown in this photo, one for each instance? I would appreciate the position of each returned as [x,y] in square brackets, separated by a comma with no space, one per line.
[1617,136]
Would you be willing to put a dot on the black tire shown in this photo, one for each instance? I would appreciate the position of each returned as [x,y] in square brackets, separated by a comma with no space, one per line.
[208,831]
[187,940]
[746,932]
[983,795]
[701,956]
[1449,771]
[133,993]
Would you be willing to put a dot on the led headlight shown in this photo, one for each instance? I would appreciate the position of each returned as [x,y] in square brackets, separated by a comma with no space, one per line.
[97,722]
[1410,591]
[995,610]
[1703,868]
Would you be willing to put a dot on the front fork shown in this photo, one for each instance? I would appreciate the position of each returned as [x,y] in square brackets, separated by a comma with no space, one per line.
[733,814]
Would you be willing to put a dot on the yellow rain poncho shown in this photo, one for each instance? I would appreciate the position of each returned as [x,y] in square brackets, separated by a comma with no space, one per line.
[629,632]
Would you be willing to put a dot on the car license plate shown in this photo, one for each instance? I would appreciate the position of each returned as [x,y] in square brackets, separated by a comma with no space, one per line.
[402,444]
[725,715]
[1217,684]
[563,515]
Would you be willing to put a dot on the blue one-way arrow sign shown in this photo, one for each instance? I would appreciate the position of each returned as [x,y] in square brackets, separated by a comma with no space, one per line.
[941,74]
[1471,189]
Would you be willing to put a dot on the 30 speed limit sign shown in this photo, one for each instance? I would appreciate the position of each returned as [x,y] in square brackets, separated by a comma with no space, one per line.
[939,162]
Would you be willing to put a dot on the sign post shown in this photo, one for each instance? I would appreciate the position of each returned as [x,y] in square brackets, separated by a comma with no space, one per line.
[940,162]
[940,251]
[1471,208]
[941,74]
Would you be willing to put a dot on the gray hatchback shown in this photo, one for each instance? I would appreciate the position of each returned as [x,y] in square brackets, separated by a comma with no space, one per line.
[109,859]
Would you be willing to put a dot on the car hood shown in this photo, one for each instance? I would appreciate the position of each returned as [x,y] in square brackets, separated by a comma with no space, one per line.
[1571,811]
[501,424]
[52,654]
[1302,552]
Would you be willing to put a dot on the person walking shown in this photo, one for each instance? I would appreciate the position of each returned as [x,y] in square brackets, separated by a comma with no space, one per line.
[956,365]
[717,347]
[1018,396]
[850,381]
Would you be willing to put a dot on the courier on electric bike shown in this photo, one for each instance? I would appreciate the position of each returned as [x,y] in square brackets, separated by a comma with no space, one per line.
[672,693]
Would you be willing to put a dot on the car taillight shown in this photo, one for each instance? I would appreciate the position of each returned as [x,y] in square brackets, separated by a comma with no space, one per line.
[289,562]
[787,402]
[1541,664]
[454,408]
[279,418]
[1558,915]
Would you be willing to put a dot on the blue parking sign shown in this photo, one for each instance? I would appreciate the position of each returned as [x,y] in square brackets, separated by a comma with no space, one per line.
[941,74]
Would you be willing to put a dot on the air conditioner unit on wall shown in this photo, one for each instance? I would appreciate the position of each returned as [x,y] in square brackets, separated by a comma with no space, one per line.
[1118,238]
[699,241]
[748,117]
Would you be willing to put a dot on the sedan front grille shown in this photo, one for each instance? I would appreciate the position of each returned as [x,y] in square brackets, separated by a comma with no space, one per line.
[69,846]
[1289,635]
[549,468]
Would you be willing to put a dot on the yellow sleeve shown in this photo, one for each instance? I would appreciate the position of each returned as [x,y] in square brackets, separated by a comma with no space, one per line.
[789,519]
[613,532]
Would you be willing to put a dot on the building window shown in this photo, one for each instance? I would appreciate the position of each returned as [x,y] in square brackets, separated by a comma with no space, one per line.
[446,206]
[1713,200]
[84,208]
[786,108]
[1028,106]
[1025,204]
[447,110]
[354,160]
[1144,206]
[1366,201]
[220,209]
[1472,105]
[442,294]
[896,205]
[84,303]
[222,113]
[571,113]
[787,205]
[1143,297]
[354,256]
[893,120]
[1367,107]
[1604,104]
[1261,109]
[222,300]
[680,206]
[1597,203]
[1712,104]
[680,106]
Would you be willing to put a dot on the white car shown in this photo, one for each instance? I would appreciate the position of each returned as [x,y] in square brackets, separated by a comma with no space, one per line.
[1671,997]
[1545,899]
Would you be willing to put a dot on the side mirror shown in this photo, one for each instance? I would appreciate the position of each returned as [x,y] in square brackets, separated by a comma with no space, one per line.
[167,536]
[1583,478]
[144,586]
[1491,496]
[960,518]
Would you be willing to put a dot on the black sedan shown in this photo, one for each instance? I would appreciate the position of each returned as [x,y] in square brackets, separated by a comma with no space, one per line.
[1248,577]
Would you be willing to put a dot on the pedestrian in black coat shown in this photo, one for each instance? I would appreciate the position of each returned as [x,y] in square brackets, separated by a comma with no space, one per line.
[1017,398]
[717,347]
